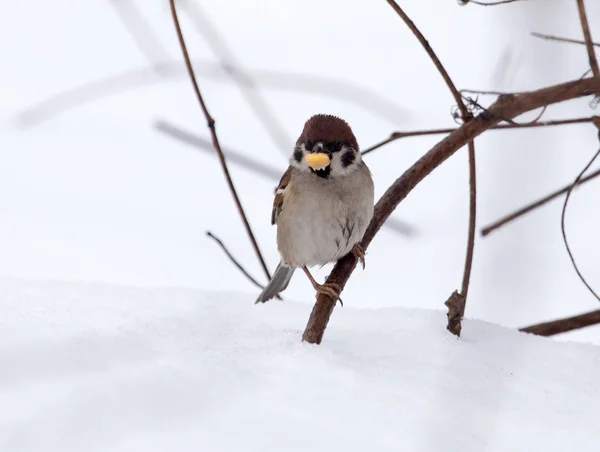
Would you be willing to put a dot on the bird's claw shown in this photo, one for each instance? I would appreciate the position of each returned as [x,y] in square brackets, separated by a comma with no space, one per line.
[359,253]
[330,290]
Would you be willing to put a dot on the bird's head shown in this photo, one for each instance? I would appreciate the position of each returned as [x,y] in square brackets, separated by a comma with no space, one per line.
[326,147]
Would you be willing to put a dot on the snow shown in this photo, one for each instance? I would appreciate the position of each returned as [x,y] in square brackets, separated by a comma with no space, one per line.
[112,368]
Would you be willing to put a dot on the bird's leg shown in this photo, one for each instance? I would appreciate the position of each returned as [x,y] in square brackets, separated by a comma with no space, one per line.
[331,290]
[359,253]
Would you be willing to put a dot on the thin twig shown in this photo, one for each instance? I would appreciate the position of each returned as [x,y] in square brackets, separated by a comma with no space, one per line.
[433,56]
[556,122]
[513,216]
[562,225]
[237,157]
[537,118]
[239,75]
[234,260]
[504,107]
[466,116]
[472,226]
[547,37]
[564,325]
[587,35]
[215,139]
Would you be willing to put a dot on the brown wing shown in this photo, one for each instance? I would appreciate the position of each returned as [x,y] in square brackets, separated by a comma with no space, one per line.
[279,192]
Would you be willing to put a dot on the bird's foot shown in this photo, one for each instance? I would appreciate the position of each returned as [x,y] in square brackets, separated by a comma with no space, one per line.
[359,253]
[330,290]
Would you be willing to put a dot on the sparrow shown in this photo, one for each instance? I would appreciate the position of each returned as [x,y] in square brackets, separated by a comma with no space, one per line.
[323,204]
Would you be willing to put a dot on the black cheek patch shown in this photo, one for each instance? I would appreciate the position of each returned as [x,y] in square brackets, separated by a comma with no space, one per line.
[298,155]
[348,158]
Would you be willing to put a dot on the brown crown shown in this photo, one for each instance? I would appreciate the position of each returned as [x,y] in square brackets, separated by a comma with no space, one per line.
[328,129]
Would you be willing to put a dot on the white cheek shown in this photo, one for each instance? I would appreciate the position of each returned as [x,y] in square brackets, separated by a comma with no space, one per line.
[302,164]
[337,169]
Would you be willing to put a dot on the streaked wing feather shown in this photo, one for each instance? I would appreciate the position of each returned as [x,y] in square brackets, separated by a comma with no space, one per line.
[278,201]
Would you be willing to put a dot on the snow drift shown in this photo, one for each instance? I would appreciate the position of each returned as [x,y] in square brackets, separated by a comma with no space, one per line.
[87,367]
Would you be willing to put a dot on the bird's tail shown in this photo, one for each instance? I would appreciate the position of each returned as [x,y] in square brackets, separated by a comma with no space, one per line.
[279,281]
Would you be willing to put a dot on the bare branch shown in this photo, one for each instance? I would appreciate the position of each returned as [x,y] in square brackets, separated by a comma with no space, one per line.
[547,37]
[588,38]
[234,260]
[433,56]
[215,140]
[472,216]
[562,224]
[564,325]
[513,216]
[556,122]
[505,107]
[466,116]
[240,76]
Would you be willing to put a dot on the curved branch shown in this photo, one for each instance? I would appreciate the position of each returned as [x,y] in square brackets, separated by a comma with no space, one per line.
[528,125]
[466,117]
[241,77]
[562,224]
[438,64]
[560,39]
[215,139]
[589,44]
[539,203]
[507,106]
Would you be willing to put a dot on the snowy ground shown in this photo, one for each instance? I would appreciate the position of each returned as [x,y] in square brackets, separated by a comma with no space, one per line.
[109,368]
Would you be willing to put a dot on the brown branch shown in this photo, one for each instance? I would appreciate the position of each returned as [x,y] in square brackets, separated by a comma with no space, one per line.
[588,38]
[562,225]
[560,39]
[433,56]
[513,216]
[564,325]
[215,139]
[466,117]
[235,262]
[239,75]
[472,216]
[505,107]
[556,122]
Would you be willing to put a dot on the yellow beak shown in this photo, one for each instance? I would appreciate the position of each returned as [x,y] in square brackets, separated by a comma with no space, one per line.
[318,160]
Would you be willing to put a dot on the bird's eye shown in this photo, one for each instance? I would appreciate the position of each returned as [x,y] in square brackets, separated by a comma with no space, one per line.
[309,145]
[336,146]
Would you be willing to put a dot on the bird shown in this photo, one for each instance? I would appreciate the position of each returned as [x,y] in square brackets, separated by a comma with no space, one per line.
[323,204]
